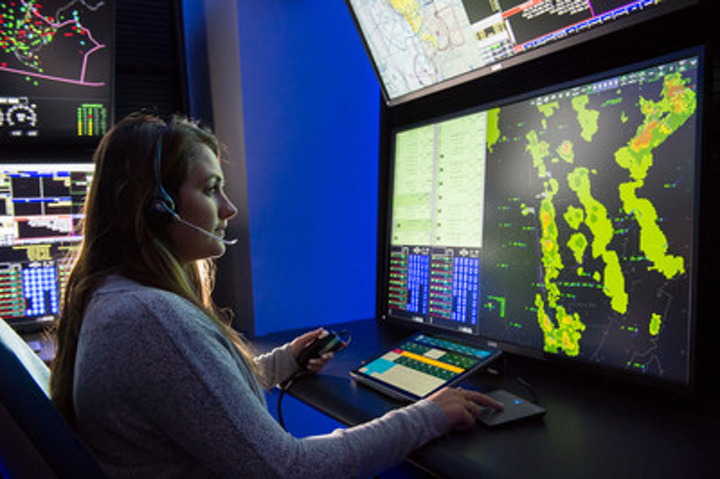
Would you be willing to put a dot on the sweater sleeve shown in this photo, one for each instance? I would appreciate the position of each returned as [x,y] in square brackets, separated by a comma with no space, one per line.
[276,365]
[163,376]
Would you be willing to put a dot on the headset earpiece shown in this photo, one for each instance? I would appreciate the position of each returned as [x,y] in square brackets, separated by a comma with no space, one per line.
[162,207]
[162,204]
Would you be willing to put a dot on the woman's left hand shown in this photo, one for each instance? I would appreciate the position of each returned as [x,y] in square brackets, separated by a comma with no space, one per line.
[302,342]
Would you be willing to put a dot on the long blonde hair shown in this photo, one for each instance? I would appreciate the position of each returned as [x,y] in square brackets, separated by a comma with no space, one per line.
[122,236]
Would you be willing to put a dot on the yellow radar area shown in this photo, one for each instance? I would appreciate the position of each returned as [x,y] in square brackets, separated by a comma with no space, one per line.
[661,119]
[539,150]
[598,221]
[587,118]
[564,333]
[493,128]
[574,217]
[655,324]
[548,109]
[578,243]
[566,153]
[588,230]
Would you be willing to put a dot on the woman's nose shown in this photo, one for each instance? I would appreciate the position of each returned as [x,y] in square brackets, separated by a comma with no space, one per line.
[228,210]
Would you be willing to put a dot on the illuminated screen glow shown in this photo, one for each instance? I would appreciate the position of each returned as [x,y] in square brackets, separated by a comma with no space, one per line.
[55,70]
[40,210]
[420,46]
[563,222]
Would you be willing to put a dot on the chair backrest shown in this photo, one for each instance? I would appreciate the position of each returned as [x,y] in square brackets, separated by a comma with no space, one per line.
[24,396]
[35,366]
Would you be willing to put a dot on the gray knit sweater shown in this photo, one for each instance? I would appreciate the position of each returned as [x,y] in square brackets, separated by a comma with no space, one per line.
[159,392]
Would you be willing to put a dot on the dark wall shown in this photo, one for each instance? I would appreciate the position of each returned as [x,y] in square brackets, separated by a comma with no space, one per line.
[149,59]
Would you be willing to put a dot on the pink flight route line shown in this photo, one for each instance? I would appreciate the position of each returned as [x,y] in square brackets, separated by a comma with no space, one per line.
[98,46]
[81,81]
[50,77]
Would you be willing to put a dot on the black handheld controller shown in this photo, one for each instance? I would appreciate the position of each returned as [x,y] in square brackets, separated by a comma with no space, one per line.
[327,343]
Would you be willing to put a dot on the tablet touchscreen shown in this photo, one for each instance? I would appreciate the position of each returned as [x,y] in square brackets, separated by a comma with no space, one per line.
[422,364]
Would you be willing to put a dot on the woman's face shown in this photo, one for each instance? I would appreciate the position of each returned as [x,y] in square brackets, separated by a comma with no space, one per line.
[203,203]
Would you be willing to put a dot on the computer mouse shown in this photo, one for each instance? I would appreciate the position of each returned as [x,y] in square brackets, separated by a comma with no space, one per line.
[514,408]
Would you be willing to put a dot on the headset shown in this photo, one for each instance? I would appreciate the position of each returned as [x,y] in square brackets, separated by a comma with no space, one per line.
[162,204]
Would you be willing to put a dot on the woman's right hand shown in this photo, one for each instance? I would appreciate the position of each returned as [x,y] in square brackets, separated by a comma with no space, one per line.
[462,406]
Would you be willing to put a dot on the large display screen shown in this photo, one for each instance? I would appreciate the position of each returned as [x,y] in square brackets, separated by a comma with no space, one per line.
[418,47]
[40,211]
[563,222]
[56,71]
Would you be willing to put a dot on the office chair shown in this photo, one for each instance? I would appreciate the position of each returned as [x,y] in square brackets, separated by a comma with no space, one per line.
[35,440]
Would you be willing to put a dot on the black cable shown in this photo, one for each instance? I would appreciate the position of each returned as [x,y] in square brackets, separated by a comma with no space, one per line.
[300,374]
[501,367]
[279,408]
[533,396]
[284,387]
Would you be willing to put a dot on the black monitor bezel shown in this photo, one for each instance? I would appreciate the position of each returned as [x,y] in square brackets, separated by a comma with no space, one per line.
[626,376]
[659,10]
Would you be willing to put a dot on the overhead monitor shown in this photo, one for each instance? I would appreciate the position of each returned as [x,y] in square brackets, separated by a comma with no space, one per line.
[40,210]
[419,47]
[562,223]
[56,71]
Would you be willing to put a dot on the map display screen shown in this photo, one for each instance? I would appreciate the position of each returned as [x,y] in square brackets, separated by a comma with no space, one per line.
[418,46]
[55,70]
[563,222]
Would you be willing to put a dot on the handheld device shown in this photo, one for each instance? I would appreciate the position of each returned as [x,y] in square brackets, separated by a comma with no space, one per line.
[327,343]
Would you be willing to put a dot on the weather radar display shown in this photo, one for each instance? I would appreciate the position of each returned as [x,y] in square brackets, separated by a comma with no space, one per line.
[55,69]
[563,222]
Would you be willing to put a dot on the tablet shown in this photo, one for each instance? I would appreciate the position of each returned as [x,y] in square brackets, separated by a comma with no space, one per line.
[422,364]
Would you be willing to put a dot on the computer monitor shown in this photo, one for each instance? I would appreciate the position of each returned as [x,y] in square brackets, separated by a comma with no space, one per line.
[559,224]
[420,47]
[56,71]
[40,210]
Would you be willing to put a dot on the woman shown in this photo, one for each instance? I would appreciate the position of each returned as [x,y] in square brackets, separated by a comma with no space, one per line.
[148,370]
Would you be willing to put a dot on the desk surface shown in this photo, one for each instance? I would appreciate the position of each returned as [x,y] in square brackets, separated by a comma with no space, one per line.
[593,428]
